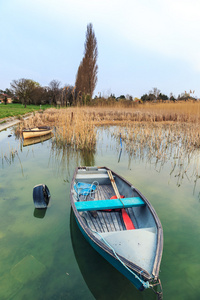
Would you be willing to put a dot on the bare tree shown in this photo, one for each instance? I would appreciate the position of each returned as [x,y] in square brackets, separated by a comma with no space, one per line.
[24,89]
[67,95]
[86,78]
[54,91]
[156,92]
[40,95]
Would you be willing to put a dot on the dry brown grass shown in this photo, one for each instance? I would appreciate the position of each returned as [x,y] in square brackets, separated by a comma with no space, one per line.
[159,139]
[161,112]
[159,143]
[149,123]
[72,127]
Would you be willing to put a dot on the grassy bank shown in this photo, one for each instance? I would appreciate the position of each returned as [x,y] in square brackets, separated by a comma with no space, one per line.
[14,110]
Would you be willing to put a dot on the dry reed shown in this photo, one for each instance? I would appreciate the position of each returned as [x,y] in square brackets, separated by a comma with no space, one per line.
[161,112]
[72,127]
[157,132]
[158,125]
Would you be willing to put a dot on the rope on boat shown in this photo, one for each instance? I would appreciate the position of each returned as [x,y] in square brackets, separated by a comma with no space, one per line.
[145,284]
[85,189]
[158,293]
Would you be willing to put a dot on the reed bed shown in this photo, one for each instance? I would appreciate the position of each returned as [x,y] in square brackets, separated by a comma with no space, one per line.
[158,133]
[159,139]
[75,129]
[157,125]
[72,127]
[9,158]
[161,112]
[161,143]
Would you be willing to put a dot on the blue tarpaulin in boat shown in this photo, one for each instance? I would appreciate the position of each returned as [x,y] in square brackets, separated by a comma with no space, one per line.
[84,189]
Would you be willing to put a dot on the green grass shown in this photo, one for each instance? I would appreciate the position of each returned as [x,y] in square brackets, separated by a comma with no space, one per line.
[12,110]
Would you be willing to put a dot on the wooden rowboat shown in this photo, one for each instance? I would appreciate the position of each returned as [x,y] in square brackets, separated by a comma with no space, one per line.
[119,223]
[36,131]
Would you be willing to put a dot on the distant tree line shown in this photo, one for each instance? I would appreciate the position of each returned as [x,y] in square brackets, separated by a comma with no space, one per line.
[153,96]
[27,91]
[156,96]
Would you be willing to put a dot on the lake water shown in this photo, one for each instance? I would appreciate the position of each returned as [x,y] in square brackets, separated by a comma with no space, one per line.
[44,256]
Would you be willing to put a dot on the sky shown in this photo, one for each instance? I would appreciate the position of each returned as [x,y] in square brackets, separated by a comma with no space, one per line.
[142,44]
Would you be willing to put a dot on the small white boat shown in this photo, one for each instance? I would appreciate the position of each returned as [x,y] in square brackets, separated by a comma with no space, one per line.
[36,131]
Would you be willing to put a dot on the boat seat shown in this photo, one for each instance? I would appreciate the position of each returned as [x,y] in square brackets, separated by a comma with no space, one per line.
[91,175]
[109,204]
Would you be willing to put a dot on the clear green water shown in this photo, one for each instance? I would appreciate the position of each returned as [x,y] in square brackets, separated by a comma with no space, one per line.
[44,256]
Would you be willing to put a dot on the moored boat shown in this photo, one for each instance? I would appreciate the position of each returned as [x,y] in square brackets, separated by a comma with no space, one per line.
[119,223]
[36,131]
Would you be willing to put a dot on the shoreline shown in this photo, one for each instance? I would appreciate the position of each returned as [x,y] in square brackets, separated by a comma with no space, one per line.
[9,122]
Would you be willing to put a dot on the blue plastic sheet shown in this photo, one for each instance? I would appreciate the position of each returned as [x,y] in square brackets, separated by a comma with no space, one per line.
[84,188]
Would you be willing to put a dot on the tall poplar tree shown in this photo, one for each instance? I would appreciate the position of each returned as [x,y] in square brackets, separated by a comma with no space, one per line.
[86,78]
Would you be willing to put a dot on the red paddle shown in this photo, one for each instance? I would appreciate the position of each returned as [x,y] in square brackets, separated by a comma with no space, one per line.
[127,220]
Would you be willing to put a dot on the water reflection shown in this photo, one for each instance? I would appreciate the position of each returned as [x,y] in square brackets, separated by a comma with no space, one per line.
[39,213]
[88,158]
[36,140]
[61,157]
[120,153]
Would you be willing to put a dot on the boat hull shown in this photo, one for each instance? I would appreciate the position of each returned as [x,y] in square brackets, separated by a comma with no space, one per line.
[36,132]
[134,253]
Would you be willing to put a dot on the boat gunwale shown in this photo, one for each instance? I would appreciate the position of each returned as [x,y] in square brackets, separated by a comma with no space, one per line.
[142,272]
[41,128]
[159,246]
